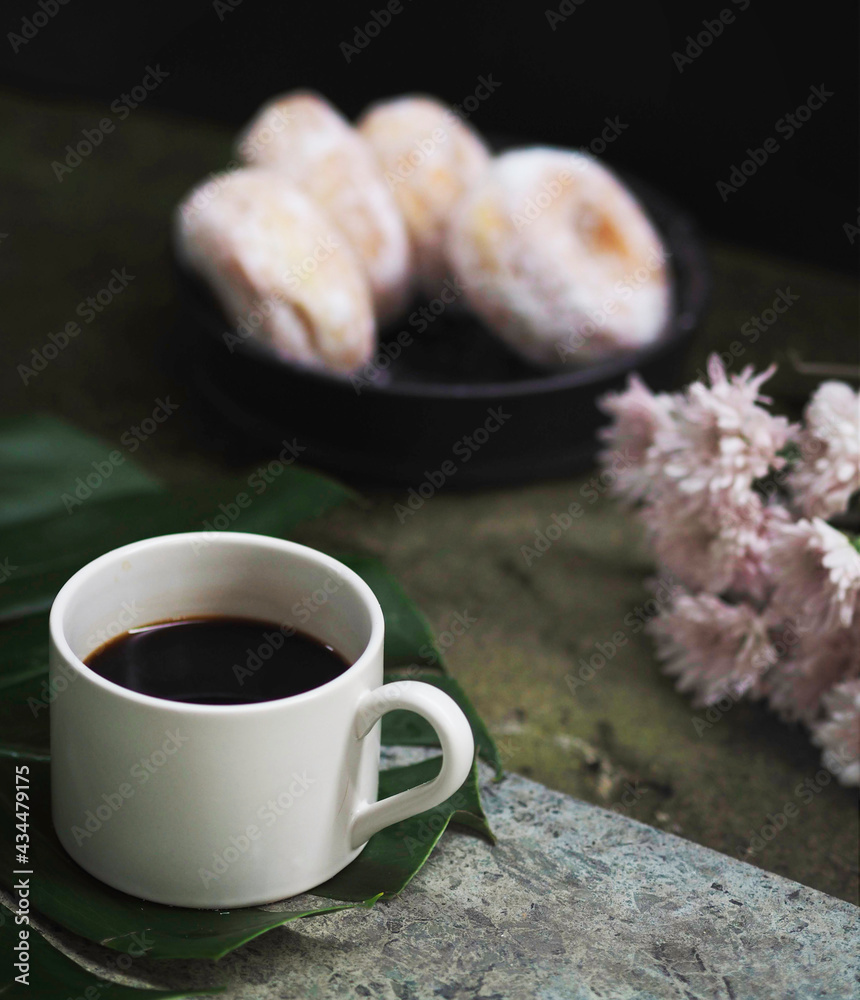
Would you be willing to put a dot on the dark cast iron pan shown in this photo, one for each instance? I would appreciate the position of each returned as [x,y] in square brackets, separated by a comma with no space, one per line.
[423,417]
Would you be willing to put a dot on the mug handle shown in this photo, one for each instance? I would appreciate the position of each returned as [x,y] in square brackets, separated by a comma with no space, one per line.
[458,750]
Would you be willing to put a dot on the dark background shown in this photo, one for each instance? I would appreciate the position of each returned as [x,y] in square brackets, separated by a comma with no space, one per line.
[557,84]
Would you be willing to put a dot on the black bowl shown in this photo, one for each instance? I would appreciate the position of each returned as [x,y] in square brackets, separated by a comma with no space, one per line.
[455,408]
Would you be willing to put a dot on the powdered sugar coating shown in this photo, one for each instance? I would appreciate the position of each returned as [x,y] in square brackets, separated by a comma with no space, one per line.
[307,140]
[279,266]
[559,258]
[430,157]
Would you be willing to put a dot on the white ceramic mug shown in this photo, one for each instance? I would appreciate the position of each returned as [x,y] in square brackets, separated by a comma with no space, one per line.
[228,805]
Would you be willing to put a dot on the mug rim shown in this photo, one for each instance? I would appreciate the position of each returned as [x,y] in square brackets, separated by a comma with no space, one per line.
[280,546]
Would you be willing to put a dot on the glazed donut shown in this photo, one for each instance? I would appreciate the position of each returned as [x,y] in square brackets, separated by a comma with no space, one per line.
[279,267]
[559,259]
[307,140]
[429,157]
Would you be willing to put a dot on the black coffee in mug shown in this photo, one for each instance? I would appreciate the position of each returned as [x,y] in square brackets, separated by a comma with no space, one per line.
[217,660]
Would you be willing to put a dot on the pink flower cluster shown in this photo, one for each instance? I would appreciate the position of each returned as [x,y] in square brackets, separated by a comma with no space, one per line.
[770,600]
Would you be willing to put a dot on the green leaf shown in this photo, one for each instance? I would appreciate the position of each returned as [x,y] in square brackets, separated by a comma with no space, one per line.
[408,637]
[23,649]
[53,976]
[402,728]
[396,854]
[74,899]
[41,549]
[43,553]
[24,719]
[69,896]
[409,643]
[24,687]
[42,459]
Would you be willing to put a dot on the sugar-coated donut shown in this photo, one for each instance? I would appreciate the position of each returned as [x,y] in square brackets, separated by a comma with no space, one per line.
[302,136]
[279,267]
[558,257]
[430,157]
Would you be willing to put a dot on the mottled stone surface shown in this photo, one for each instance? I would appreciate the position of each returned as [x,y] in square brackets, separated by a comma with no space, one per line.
[573,903]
